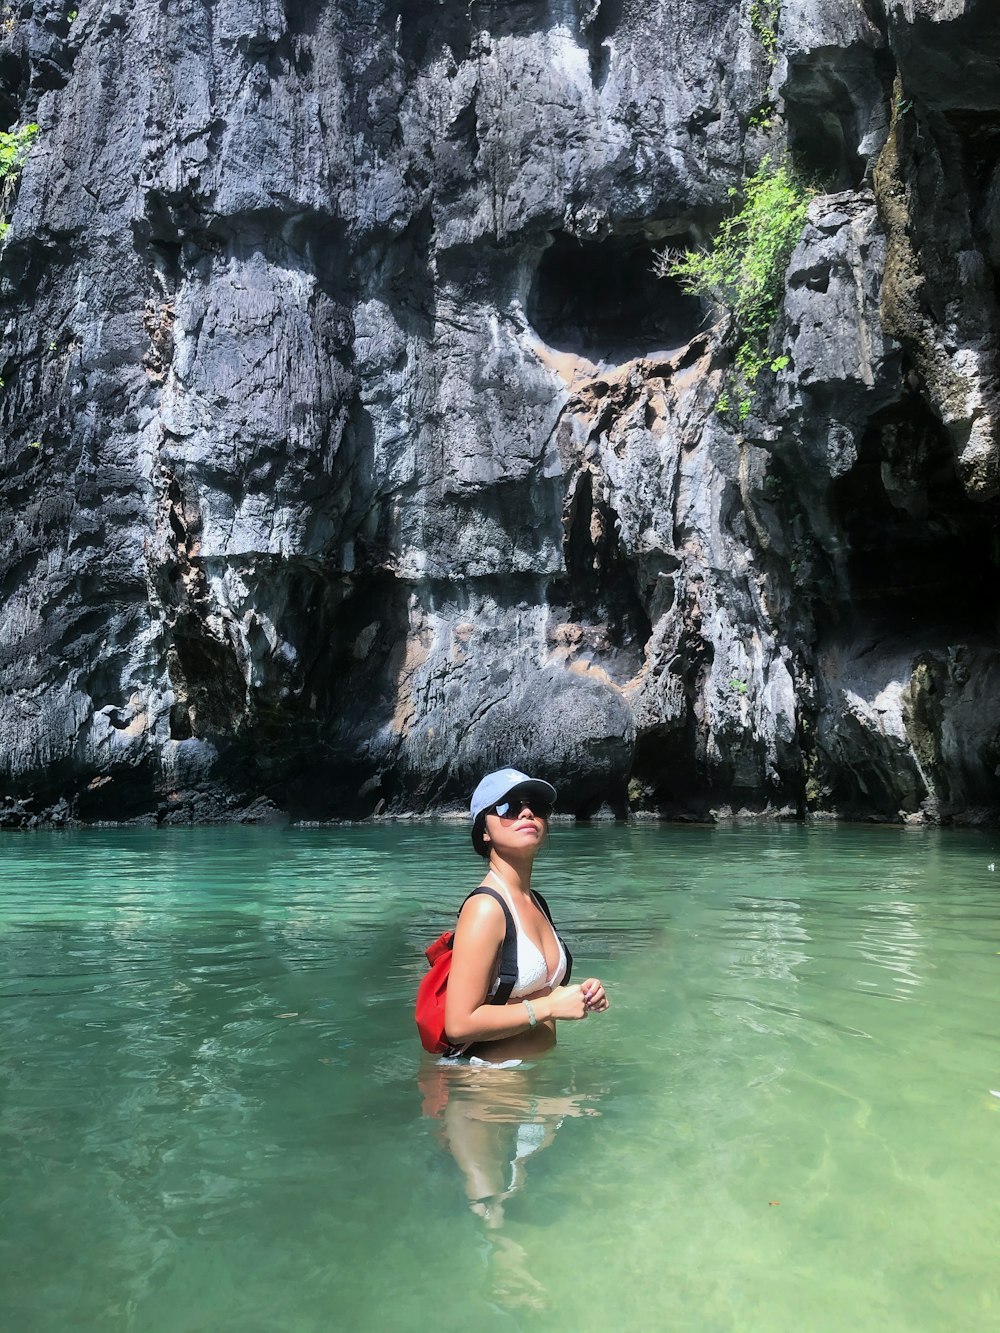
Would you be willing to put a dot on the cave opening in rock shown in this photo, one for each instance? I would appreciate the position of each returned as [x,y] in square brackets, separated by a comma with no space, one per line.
[599,32]
[827,110]
[977,150]
[665,775]
[823,141]
[603,300]
[12,82]
[921,554]
[424,27]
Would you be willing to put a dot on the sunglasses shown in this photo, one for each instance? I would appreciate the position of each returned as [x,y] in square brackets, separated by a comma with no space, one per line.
[512,806]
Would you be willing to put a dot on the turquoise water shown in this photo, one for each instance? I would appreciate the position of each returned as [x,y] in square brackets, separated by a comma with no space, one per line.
[214,1113]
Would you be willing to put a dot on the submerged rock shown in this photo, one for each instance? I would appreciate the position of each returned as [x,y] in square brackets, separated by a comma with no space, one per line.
[350,447]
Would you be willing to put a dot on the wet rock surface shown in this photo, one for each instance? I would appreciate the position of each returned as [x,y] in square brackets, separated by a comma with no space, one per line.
[350,447]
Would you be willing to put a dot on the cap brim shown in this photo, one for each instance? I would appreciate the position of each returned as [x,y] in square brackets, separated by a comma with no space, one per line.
[533,787]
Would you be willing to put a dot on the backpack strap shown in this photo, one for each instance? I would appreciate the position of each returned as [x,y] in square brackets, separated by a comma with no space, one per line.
[508,950]
[569,957]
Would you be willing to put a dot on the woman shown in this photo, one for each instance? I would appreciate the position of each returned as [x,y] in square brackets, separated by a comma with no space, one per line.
[494,1119]
[510,814]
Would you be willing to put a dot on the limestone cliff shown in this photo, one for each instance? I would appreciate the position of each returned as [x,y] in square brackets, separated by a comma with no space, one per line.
[349,446]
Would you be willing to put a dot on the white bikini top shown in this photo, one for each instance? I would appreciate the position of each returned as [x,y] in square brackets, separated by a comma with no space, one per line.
[532,970]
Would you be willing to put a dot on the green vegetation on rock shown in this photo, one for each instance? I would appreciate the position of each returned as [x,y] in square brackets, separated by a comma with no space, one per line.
[14,148]
[743,270]
[764,19]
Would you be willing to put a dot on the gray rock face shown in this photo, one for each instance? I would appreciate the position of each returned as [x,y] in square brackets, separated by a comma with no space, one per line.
[350,448]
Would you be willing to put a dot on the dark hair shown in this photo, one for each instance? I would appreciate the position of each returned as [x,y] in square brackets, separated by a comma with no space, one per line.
[478,835]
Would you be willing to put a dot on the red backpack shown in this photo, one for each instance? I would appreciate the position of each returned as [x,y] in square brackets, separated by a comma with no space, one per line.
[429,1009]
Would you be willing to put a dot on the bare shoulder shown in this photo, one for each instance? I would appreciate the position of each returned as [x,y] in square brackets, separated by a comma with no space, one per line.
[483,913]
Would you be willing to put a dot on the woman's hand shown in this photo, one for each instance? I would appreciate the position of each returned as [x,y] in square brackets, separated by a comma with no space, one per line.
[594,996]
[573,1002]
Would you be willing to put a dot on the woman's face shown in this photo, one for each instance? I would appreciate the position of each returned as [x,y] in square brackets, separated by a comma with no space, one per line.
[515,825]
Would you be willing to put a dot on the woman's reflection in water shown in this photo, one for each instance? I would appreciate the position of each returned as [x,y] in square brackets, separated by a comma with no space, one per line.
[492,1122]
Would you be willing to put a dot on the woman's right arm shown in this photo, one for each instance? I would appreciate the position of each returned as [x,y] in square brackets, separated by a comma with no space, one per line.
[468,1017]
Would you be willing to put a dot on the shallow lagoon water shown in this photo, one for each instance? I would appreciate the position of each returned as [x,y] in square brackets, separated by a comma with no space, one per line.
[215,1115]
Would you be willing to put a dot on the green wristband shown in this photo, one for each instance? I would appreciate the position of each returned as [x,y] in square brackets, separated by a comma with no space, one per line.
[532,1020]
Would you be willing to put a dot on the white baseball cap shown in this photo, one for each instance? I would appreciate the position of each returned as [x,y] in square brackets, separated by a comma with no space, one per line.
[495,786]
